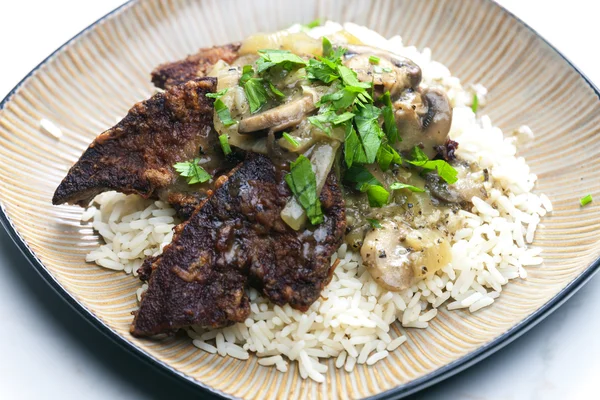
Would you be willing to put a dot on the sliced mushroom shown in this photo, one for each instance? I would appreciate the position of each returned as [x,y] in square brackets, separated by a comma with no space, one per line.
[423,119]
[386,258]
[393,73]
[279,118]
[397,256]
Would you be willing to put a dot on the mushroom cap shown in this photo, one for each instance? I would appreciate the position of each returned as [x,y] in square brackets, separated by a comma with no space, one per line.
[423,118]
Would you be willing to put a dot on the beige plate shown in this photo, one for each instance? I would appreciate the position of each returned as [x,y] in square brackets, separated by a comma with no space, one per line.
[98,75]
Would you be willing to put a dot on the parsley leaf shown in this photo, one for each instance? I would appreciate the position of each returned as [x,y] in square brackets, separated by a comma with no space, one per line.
[325,69]
[350,78]
[365,182]
[339,100]
[378,196]
[217,95]
[276,91]
[320,71]
[291,140]
[329,116]
[389,122]
[247,73]
[303,184]
[586,200]
[369,130]
[192,171]
[375,224]
[284,58]
[223,113]
[353,150]
[359,175]
[398,186]
[475,103]
[256,94]
[313,24]
[387,156]
[224,140]
[444,170]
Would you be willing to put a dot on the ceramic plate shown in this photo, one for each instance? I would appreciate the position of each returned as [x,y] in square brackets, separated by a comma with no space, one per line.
[95,78]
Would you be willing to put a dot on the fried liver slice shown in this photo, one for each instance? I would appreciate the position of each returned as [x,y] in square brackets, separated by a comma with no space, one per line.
[137,155]
[194,66]
[235,236]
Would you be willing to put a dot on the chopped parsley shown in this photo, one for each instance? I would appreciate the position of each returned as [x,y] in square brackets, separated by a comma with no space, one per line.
[386,156]
[256,94]
[444,170]
[374,60]
[389,122]
[398,186]
[217,95]
[290,139]
[586,200]
[275,91]
[475,103]
[192,171]
[312,24]
[224,140]
[223,113]
[284,58]
[220,107]
[303,184]
[369,131]
[377,195]
[375,224]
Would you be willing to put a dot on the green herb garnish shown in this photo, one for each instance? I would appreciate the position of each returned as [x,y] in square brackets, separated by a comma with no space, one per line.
[223,113]
[290,139]
[275,91]
[444,170]
[398,186]
[386,156]
[586,200]
[475,103]
[247,73]
[313,24]
[218,94]
[369,131]
[375,224]
[377,195]
[256,94]
[192,171]
[284,58]
[389,122]
[224,140]
[374,60]
[303,184]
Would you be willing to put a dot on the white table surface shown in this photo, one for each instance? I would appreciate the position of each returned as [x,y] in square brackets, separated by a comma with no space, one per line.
[48,351]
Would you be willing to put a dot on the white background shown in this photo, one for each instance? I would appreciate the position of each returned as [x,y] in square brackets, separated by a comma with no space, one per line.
[48,351]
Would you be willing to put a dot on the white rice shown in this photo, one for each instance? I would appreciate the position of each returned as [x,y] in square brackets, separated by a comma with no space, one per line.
[351,322]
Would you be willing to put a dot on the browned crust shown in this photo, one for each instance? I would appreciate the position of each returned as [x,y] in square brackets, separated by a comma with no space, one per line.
[235,236]
[137,155]
[194,66]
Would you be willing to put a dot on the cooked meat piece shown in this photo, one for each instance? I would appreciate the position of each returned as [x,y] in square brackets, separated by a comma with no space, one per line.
[138,154]
[238,232]
[194,66]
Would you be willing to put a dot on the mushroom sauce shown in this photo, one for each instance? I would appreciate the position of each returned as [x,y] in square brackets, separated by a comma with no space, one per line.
[402,238]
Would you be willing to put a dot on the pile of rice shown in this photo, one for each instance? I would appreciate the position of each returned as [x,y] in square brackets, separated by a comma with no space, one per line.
[351,321]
